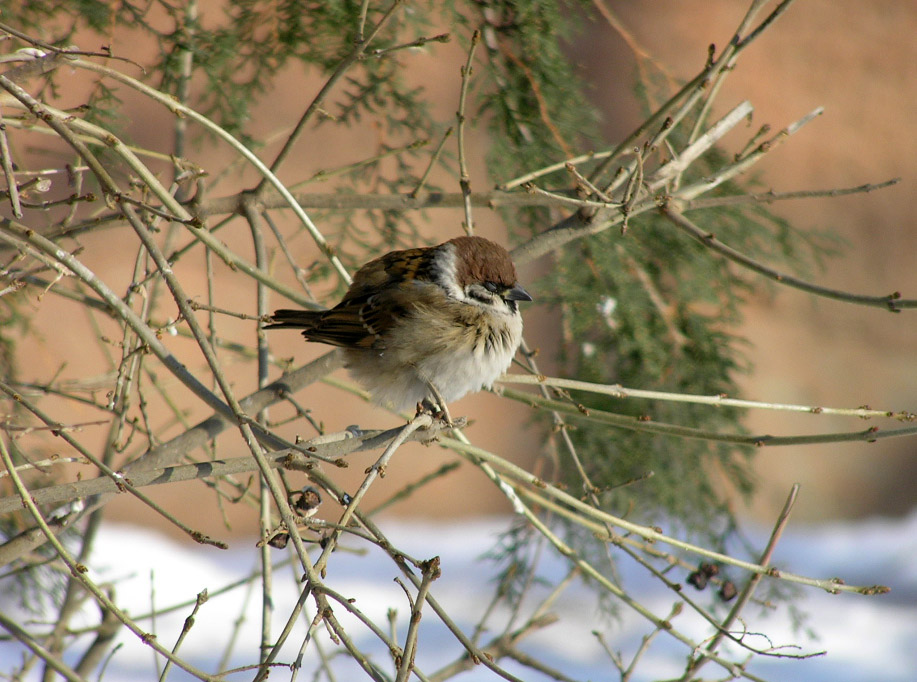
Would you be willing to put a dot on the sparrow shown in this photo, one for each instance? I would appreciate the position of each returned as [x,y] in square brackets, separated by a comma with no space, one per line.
[424,326]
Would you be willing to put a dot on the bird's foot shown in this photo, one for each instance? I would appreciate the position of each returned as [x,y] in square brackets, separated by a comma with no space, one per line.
[438,411]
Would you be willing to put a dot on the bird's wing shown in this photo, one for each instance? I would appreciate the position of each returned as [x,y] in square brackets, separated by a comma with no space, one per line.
[389,270]
[380,295]
[361,322]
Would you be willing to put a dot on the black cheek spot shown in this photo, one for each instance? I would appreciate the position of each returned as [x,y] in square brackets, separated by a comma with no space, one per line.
[477,296]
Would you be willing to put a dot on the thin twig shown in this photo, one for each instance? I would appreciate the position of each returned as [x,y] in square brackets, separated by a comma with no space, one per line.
[118,479]
[721,400]
[421,421]
[300,457]
[361,21]
[359,48]
[202,597]
[700,146]
[698,661]
[645,423]
[418,42]
[298,272]
[401,560]
[533,663]
[430,573]
[433,159]
[572,556]
[79,573]
[308,590]
[464,178]
[645,646]
[410,488]
[481,456]
[174,449]
[325,174]
[6,161]
[186,70]
[268,175]
[744,163]
[585,185]
[772,196]
[892,302]
[253,216]
[52,661]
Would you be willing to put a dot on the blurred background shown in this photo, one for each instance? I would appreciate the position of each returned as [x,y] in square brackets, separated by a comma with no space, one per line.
[859,62]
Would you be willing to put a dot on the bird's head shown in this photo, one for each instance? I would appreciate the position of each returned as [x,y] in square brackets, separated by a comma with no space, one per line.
[480,272]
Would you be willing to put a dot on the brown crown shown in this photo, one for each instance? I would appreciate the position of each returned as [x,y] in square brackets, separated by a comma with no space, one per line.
[481,260]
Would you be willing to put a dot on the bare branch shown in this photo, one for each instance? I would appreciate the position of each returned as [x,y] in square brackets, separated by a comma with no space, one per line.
[892,302]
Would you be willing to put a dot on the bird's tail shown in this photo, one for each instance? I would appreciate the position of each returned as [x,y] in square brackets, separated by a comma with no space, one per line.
[294,319]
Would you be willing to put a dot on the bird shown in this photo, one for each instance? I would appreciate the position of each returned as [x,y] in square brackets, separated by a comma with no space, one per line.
[423,327]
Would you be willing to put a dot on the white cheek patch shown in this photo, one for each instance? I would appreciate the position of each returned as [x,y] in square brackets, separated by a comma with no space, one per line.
[445,273]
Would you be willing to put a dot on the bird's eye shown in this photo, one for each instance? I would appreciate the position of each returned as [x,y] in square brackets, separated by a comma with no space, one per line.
[491,287]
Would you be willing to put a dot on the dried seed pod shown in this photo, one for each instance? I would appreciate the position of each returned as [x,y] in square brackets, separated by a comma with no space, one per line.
[698,579]
[306,501]
[728,590]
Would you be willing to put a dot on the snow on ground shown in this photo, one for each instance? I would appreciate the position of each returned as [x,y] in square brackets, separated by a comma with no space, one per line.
[866,638]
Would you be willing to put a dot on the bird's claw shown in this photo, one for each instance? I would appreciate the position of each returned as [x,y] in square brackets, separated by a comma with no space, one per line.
[437,411]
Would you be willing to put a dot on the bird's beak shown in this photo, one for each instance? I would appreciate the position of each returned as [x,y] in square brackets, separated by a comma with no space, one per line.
[517,293]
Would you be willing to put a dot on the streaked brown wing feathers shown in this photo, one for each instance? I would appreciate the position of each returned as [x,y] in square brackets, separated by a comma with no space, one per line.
[356,322]
[388,270]
[374,303]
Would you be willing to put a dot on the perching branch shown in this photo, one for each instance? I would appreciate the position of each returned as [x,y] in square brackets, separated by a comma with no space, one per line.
[893,302]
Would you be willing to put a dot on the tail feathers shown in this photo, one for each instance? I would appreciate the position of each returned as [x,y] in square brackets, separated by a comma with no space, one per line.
[294,319]
[336,327]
